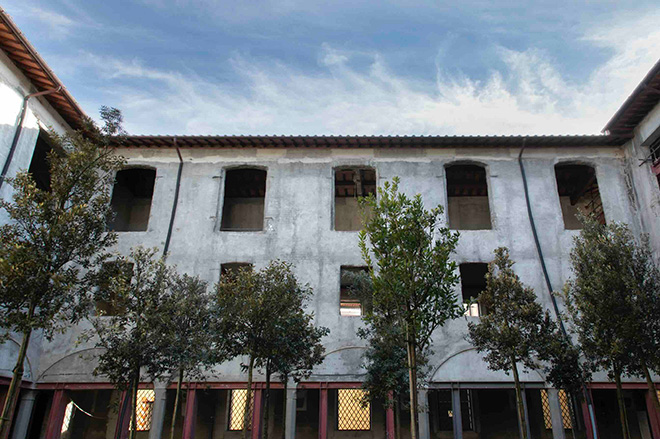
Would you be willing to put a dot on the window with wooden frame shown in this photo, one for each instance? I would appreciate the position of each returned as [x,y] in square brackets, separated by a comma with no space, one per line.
[350,184]
[578,193]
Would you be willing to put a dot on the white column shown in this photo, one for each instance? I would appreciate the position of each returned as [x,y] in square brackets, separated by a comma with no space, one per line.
[24,415]
[158,411]
[423,401]
[457,418]
[555,413]
[290,418]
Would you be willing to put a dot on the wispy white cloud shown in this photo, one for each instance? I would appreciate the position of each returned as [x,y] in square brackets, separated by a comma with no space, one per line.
[528,95]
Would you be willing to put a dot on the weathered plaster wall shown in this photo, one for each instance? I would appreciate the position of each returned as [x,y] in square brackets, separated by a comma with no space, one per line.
[645,188]
[298,228]
[13,87]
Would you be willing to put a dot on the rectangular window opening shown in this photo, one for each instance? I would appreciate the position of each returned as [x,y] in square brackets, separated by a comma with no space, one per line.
[39,165]
[245,193]
[351,183]
[232,268]
[467,198]
[349,300]
[578,193]
[237,401]
[473,282]
[131,199]
[353,414]
[107,302]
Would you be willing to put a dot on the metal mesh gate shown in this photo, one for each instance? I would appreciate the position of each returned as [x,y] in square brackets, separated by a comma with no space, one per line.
[238,399]
[352,414]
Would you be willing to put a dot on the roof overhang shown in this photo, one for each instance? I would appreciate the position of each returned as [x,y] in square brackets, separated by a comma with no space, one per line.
[26,58]
[368,141]
[642,100]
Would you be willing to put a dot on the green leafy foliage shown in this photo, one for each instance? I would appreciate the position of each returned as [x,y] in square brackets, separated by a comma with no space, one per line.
[515,329]
[614,303]
[263,314]
[408,254]
[54,237]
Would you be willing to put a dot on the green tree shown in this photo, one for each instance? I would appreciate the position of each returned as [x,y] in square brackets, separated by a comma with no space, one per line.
[296,351]
[408,254]
[613,304]
[131,338]
[53,237]
[264,308]
[515,329]
[186,332]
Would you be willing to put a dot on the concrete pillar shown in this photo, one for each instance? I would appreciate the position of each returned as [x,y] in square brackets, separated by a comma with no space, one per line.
[56,415]
[290,419]
[423,415]
[654,416]
[24,415]
[555,414]
[158,412]
[190,418]
[526,412]
[323,413]
[457,417]
[256,414]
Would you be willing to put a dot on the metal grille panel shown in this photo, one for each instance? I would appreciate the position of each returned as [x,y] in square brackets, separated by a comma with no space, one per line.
[237,409]
[145,408]
[352,414]
[564,404]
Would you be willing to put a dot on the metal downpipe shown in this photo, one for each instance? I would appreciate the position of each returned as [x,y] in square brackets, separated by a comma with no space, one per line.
[175,202]
[19,128]
[587,395]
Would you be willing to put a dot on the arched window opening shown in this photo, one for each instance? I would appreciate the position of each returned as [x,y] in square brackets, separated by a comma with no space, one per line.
[245,192]
[351,183]
[467,198]
[131,199]
[578,193]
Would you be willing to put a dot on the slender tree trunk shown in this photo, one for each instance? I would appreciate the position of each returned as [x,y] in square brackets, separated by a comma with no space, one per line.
[285,382]
[14,387]
[397,416]
[176,402]
[652,389]
[519,400]
[248,396]
[622,405]
[134,389]
[412,381]
[267,401]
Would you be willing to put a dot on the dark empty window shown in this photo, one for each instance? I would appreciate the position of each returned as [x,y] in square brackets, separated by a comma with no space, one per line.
[578,193]
[349,185]
[473,282]
[467,198]
[245,191]
[39,166]
[112,276]
[232,268]
[131,199]
[349,291]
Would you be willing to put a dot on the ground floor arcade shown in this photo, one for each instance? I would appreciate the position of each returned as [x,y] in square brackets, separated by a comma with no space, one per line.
[325,411]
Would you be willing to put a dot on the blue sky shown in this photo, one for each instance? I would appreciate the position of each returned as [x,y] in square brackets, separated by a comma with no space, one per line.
[347,67]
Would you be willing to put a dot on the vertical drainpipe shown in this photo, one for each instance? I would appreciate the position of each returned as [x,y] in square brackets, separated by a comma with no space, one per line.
[176,200]
[19,128]
[587,394]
